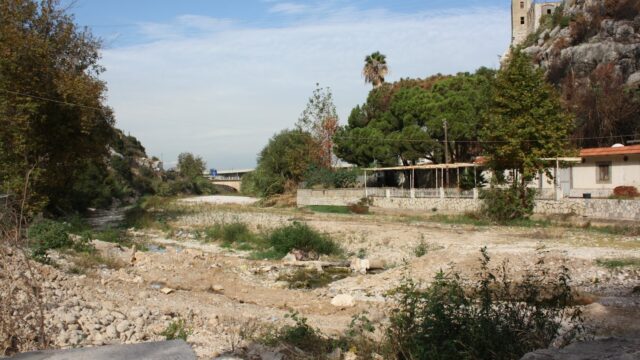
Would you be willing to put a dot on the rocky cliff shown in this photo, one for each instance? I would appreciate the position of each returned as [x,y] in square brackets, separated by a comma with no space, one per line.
[590,50]
[589,33]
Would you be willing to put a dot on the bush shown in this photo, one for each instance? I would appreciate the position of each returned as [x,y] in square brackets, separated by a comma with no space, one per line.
[328,179]
[47,234]
[513,203]
[301,335]
[626,192]
[176,330]
[229,233]
[495,319]
[301,237]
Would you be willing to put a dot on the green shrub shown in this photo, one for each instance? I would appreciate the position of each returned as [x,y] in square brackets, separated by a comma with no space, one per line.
[495,319]
[512,203]
[421,249]
[329,178]
[229,233]
[312,278]
[176,330]
[301,237]
[300,335]
[48,234]
[469,181]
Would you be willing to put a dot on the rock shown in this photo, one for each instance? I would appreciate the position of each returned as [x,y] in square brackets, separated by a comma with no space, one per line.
[289,258]
[335,354]
[123,326]
[343,300]
[111,332]
[140,322]
[217,288]
[603,349]
[166,290]
[70,318]
[623,32]
[633,81]
[359,265]
[350,356]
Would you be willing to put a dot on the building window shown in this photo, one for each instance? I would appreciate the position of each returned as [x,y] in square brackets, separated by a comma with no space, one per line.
[548,11]
[603,173]
[521,4]
[522,20]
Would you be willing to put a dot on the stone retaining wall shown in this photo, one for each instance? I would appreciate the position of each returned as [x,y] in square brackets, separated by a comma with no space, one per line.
[607,209]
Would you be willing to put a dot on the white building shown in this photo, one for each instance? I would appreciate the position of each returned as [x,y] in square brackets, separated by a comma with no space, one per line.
[604,169]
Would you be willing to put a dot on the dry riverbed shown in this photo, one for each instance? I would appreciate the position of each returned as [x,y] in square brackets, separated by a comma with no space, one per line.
[219,291]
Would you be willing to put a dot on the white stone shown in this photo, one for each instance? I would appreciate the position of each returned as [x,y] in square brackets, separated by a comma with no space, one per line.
[343,300]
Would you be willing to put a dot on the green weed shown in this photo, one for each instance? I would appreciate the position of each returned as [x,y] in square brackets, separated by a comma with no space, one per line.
[618,263]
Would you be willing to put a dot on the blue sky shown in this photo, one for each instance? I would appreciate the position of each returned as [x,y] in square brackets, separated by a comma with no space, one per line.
[218,78]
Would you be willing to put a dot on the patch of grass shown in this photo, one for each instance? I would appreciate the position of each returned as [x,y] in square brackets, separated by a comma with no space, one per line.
[302,237]
[300,335]
[329,209]
[478,220]
[616,230]
[235,235]
[93,260]
[268,254]
[312,278]
[618,263]
[154,212]
[176,330]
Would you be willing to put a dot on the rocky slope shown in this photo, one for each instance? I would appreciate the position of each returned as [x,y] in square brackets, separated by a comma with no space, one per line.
[587,34]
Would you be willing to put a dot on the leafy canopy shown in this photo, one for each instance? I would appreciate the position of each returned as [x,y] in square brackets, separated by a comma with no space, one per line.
[404,121]
[52,116]
[525,121]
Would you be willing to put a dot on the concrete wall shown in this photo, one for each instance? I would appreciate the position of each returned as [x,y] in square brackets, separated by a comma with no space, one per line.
[589,208]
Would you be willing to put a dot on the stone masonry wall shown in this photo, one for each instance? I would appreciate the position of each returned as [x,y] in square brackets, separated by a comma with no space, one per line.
[608,209]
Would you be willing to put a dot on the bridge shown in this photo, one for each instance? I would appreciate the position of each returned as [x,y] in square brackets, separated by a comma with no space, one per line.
[231,178]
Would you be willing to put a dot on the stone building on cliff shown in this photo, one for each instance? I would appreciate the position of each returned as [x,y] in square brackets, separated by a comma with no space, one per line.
[525,17]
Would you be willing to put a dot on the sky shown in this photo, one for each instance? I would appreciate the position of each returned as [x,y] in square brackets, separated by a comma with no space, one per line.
[219,78]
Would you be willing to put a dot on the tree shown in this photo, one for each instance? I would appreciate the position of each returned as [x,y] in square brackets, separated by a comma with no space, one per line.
[525,123]
[190,166]
[52,114]
[375,69]
[320,119]
[606,112]
[403,121]
[282,163]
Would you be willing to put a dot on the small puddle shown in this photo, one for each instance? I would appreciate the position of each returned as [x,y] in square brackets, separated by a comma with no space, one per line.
[156,249]
[157,285]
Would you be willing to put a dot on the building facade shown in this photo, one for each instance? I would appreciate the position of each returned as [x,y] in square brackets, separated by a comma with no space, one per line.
[526,15]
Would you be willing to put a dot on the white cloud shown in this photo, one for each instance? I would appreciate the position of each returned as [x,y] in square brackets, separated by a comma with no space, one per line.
[288,8]
[223,93]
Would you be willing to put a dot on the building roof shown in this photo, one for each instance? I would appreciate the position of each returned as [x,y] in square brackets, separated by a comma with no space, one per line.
[608,151]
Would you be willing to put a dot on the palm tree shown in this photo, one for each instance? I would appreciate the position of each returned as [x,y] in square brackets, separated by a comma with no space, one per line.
[375,69]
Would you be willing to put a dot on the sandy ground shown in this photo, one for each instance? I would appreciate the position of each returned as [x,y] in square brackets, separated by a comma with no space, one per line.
[221,199]
[219,291]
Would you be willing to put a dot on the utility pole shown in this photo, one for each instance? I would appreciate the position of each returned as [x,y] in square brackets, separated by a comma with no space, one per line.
[446,149]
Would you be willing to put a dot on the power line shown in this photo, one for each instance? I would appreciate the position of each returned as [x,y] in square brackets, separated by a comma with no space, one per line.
[52,100]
